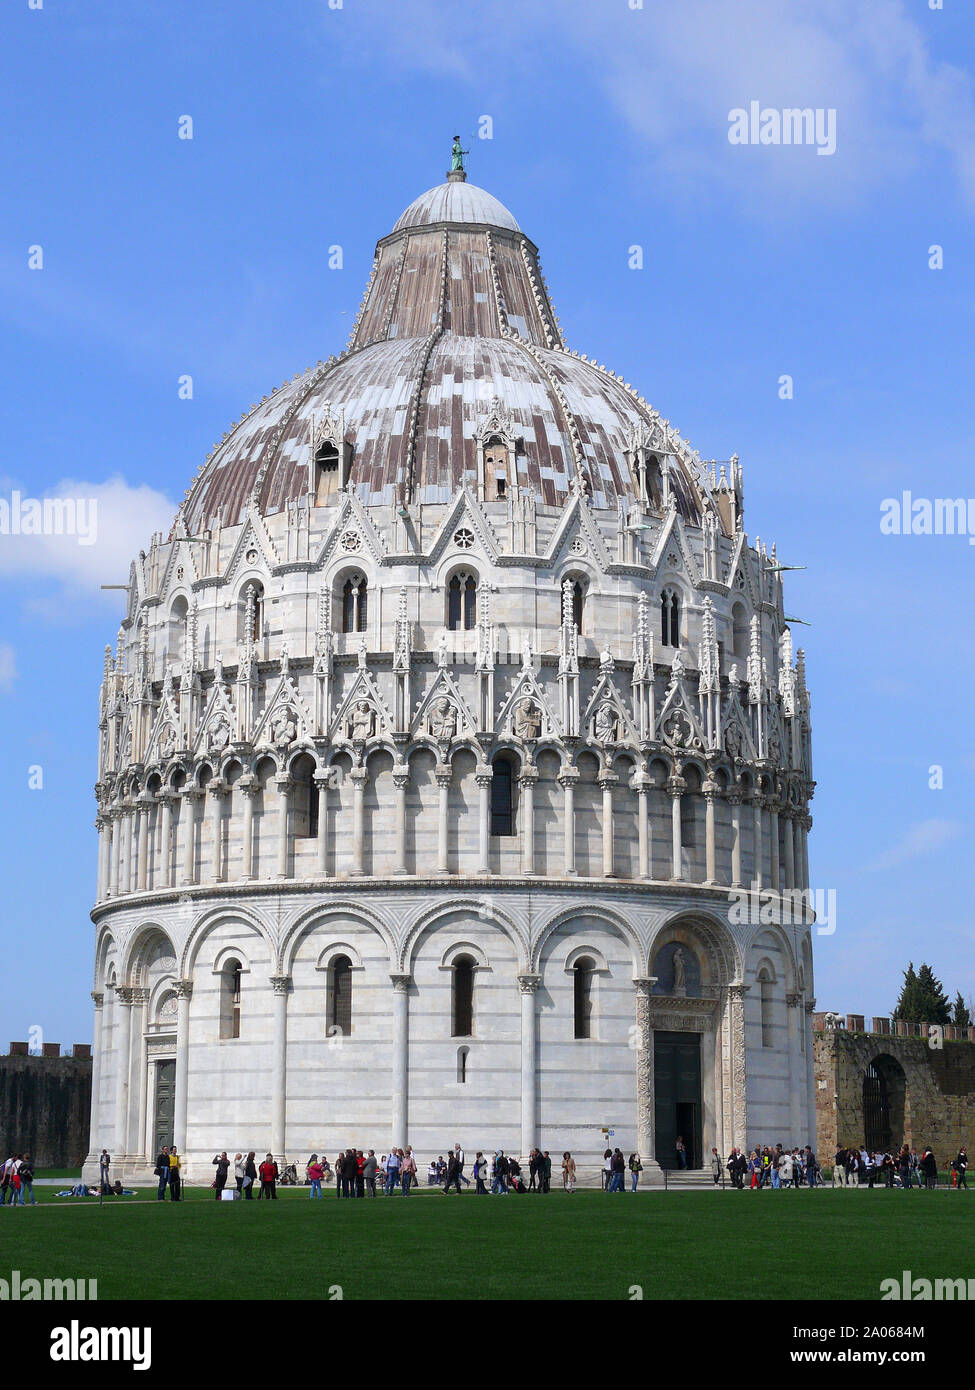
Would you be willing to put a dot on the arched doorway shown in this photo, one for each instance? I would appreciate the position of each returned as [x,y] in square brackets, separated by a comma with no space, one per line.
[884,1096]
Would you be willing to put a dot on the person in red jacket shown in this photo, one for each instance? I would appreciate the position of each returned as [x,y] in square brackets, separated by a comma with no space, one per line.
[268,1173]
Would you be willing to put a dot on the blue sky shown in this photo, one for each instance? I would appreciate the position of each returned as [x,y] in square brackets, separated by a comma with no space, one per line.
[314,126]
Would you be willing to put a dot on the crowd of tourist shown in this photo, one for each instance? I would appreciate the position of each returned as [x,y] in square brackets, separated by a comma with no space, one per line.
[776,1166]
[17,1181]
[359,1173]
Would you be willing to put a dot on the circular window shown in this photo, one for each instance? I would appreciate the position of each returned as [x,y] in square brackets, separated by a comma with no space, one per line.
[463,538]
[351,541]
[251,557]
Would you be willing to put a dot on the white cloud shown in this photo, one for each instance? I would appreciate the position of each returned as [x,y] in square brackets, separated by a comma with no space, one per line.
[110,522]
[924,837]
[675,71]
[8,666]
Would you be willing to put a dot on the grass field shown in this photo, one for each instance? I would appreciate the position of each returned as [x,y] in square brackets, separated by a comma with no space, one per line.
[730,1245]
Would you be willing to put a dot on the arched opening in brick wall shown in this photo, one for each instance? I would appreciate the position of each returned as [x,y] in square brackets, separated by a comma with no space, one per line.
[884,1104]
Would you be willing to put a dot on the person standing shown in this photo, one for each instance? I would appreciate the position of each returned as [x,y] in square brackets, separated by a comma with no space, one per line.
[27,1181]
[104,1163]
[681,1152]
[250,1176]
[370,1167]
[929,1167]
[568,1172]
[161,1171]
[547,1171]
[810,1161]
[636,1168]
[407,1168]
[239,1171]
[269,1174]
[480,1164]
[222,1165]
[315,1173]
[786,1169]
[175,1179]
[392,1171]
[839,1168]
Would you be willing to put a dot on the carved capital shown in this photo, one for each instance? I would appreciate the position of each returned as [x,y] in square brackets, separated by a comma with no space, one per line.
[184,989]
[98,998]
[125,994]
[401,983]
[794,1000]
[528,984]
[643,984]
[280,984]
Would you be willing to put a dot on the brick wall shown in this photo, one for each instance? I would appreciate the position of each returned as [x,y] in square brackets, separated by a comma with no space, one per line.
[45,1105]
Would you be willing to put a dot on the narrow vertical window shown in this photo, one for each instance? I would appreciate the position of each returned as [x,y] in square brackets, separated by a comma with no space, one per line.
[354,604]
[462,1004]
[582,978]
[230,989]
[502,808]
[670,618]
[578,599]
[340,997]
[765,984]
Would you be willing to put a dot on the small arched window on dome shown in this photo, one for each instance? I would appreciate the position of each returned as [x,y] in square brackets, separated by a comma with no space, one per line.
[648,478]
[670,618]
[252,612]
[574,601]
[740,630]
[355,604]
[496,469]
[178,629]
[327,478]
[230,991]
[462,998]
[340,997]
[583,974]
[462,602]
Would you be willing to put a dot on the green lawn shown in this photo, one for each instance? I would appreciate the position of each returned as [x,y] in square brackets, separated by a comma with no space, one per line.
[763,1245]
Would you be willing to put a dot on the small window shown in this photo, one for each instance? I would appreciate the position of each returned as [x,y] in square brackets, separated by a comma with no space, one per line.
[495,470]
[252,628]
[462,1004]
[462,1053]
[340,997]
[305,799]
[670,618]
[355,611]
[230,988]
[178,627]
[502,801]
[578,601]
[326,473]
[462,603]
[740,640]
[583,973]
[765,984]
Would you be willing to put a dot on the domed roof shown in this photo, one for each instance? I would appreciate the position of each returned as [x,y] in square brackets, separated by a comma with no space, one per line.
[456,201]
[455,326]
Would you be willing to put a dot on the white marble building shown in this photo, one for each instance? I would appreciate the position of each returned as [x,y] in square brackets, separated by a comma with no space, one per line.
[439,734]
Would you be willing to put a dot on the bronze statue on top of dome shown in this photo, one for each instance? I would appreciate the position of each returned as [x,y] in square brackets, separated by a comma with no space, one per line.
[457,157]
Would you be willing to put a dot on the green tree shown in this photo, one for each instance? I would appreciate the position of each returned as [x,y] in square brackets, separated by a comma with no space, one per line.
[923,998]
[960,1015]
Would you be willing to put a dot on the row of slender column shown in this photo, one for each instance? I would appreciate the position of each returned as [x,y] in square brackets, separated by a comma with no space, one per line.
[127,858]
[130,1134]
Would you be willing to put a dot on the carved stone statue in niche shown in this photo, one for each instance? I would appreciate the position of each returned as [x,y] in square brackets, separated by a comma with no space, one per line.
[680,977]
[606,722]
[167,743]
[219,736]
[528,720]
[284,728]
[443,720]
[361,722]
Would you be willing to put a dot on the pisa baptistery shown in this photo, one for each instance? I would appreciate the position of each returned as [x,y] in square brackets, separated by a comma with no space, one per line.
[444,731]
